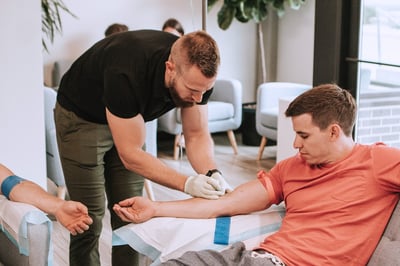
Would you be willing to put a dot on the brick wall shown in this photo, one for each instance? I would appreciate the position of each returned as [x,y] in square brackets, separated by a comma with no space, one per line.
[379,119]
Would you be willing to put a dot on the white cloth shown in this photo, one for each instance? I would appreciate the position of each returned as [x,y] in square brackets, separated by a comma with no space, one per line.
[165,238]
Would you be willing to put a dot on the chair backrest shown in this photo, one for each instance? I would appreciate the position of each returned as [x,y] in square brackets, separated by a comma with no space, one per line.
[226,91]
[268,94]
[54,169]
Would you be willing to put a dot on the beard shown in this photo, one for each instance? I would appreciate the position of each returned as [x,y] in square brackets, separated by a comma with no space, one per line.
[179,101]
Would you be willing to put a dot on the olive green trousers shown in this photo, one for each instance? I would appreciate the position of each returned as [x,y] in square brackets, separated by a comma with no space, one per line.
[94,171]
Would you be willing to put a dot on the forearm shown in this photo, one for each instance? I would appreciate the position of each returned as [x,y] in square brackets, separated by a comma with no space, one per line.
[31,193]
[200,152]
[247,198]
[145,164]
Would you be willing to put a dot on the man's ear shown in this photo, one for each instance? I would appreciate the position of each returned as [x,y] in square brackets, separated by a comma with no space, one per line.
[169,66]
[335,131]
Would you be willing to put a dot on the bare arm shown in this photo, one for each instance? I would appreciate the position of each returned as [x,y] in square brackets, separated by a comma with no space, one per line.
[198,141]
[129,136]
[71,214]
[249,197]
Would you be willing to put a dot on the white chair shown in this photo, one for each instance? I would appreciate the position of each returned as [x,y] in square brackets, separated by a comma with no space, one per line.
[224,114]
[54,169]
[268,95]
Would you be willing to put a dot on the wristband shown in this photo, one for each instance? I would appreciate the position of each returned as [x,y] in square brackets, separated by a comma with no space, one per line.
[213,171]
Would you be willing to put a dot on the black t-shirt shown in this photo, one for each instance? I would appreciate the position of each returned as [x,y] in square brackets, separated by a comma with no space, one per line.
[123,72]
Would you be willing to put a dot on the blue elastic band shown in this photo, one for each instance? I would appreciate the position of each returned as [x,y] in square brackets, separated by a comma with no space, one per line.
[222,228]
[9,183]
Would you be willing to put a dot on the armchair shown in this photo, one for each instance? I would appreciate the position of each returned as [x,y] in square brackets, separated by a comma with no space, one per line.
[224,113]
[268,95]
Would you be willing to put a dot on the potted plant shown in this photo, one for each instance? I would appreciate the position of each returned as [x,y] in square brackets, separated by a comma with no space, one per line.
[252,10]
[51,19]
[256,11]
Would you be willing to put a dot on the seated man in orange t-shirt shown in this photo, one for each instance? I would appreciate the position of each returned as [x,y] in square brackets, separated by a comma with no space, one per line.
[339,195]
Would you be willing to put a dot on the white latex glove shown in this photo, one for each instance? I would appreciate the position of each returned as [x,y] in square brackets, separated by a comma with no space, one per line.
[203,186]
[225,187]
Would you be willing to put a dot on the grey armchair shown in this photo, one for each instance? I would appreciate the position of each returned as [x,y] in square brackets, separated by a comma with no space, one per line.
[224,113]
[268,95]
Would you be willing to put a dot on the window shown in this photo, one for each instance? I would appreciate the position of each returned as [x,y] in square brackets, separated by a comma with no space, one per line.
[356,47]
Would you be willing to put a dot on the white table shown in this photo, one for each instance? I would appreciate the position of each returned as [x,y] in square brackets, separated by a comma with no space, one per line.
[285,132]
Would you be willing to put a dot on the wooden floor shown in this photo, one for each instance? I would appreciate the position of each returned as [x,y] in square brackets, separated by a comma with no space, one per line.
[237,169]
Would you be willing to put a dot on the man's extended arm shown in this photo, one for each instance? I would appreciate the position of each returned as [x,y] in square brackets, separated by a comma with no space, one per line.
[249,197]
[129,136]
[71,214]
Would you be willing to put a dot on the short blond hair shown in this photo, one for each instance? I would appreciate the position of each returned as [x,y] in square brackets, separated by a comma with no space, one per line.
[196,49]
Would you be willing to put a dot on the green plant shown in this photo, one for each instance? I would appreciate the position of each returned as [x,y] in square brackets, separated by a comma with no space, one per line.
[51,20]
[252,10]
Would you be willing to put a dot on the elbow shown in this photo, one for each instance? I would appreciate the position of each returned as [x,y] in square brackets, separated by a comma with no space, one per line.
[132,159]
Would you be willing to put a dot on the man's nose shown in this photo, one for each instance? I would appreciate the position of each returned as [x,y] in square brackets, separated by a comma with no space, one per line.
[197,97]
[297,143]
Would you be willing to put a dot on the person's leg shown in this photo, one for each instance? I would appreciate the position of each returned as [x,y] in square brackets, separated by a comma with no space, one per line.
[82,146]
[235,255]
[121,184]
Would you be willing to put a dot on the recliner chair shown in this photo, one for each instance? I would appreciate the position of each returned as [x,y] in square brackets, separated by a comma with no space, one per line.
[224,114]
[268,95]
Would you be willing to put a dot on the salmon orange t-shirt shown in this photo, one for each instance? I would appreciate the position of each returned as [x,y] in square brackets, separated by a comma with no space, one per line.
[336,213]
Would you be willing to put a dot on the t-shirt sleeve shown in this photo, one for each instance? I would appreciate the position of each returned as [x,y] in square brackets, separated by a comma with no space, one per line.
[387,166]
[271,184]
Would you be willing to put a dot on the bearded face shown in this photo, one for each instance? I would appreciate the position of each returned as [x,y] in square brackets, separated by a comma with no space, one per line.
[186,85]
[178,100]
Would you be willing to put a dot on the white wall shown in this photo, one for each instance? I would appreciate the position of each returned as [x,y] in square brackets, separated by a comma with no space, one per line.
[296,45]
[22,138]
[237,44]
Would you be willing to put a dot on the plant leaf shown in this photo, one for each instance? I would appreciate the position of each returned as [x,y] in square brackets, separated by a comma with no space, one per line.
[295,4]
[225,16]
[241,14]
[51,19]
[260,12]
[210,4]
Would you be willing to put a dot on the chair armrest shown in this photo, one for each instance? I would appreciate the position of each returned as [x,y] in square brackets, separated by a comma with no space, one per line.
[229,90]
[24,226]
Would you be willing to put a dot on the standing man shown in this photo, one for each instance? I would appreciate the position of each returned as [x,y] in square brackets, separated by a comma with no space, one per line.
[103,102]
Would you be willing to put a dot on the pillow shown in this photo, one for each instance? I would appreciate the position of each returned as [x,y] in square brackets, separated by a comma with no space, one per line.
[164,238]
